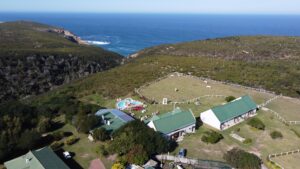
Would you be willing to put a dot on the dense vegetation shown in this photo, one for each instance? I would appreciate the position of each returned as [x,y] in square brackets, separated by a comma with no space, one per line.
[22,125]
[256,123]
[242,160]
[211,137]
[34,58]
[135,143]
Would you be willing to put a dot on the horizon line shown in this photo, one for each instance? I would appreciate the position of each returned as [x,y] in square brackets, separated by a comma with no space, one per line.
[158,13]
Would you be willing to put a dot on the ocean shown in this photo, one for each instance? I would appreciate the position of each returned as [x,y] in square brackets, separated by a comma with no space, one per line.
[129,33]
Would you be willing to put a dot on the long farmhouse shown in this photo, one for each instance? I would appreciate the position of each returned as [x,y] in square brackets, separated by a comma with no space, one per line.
[230,114]
[175,124]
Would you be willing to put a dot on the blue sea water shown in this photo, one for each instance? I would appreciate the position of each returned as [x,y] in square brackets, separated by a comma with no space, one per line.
[128,33]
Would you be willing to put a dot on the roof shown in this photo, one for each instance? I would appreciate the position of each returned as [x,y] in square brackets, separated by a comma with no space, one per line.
[234,108]
[43,158]
[116,117]
[172,121]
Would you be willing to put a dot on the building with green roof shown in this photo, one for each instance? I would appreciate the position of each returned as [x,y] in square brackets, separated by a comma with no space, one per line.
[174,124]
[113,119]
[43,158]
[224,116]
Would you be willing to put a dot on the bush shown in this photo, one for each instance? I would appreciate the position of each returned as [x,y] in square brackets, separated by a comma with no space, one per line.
[241,159]
[248,141]
[256,123]
[100,134]
[58,135]
[56,145]
[276,134]
[102,151]
[71,140]
[230,98]
[211,137]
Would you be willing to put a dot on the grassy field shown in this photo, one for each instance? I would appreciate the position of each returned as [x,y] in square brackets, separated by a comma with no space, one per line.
[189,88]
[288,108]
[289,161]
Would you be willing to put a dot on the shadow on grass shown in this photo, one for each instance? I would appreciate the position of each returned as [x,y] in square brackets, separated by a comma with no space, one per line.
[70,162]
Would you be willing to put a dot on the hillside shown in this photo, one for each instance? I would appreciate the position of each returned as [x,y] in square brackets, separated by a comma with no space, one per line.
[233,48]
[272,71]
[35,58]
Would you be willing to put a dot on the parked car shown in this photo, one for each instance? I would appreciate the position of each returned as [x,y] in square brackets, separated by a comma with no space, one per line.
[182,153]
[67,155]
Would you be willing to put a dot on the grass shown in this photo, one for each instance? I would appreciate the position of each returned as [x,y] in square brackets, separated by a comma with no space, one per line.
[288,161]
[289,108]
[262,143]
[190,88]
[85,151]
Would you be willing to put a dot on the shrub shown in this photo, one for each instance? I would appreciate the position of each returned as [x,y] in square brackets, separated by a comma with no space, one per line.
[241,159]
[256,123]
[248,141]
[276,134]
[102,151]
[71,140]
[58,135]
[230,98]
[100,134]
[211,137]
[56,145]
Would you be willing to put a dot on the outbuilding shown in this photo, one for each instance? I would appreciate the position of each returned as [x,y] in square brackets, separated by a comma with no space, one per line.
[227,115]
[174,124]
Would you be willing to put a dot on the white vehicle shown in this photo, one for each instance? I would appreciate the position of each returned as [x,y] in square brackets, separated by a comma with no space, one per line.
[67,155]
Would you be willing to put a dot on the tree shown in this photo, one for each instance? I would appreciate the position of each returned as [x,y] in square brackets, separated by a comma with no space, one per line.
[230,98]
[86,122]
[137,133]
[28,139]
[242,160]
[44,125]
[101,134]
[137,155]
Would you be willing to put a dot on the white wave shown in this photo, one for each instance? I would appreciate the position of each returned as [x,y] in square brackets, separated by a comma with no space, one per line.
[98,42]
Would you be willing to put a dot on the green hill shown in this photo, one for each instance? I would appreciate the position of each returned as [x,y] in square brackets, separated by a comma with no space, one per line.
[275,71]
[35,58]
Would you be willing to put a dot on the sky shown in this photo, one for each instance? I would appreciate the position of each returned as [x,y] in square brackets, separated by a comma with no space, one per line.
[154,6]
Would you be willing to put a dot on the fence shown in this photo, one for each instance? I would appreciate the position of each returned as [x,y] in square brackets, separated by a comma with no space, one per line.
[196,163]
[270,156]
[137,91]
[282,119]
